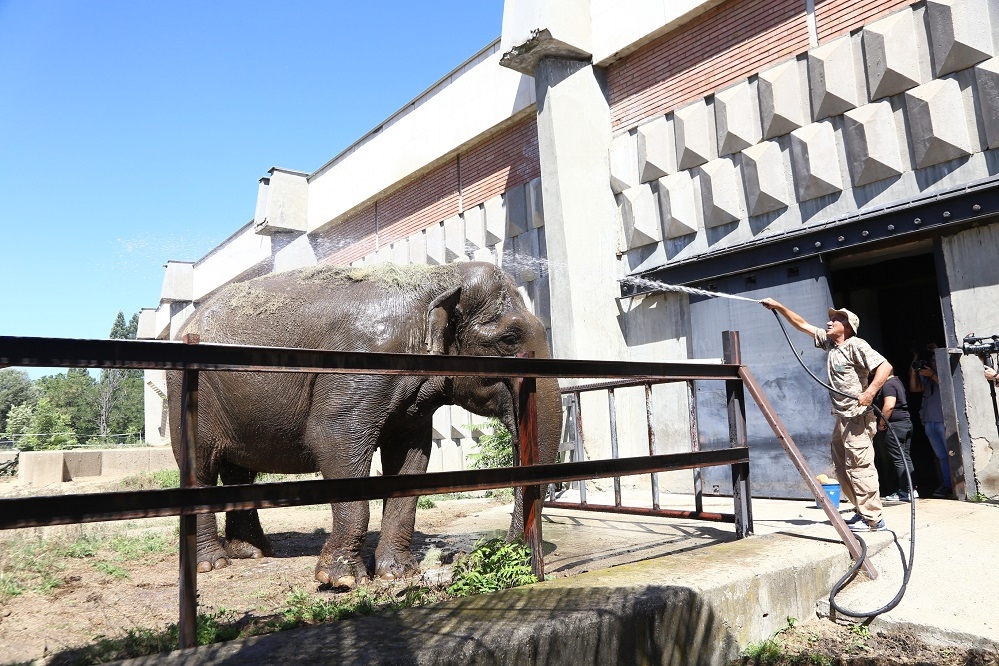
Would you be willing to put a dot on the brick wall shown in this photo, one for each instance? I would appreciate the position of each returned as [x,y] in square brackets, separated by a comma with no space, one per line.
[838,17]
[718,48]
[497,164]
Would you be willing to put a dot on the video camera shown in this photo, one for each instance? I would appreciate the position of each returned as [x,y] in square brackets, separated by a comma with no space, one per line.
[979,345]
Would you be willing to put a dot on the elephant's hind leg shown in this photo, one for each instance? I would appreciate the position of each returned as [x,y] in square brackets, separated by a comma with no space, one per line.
[244,537]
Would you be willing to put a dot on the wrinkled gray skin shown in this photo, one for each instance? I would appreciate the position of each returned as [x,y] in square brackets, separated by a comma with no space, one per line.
[297,423]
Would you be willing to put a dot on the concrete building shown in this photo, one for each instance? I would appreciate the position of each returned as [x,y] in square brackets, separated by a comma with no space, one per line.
[817,151]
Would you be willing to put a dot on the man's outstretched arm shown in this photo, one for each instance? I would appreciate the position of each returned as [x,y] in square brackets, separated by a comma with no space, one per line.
[792,317]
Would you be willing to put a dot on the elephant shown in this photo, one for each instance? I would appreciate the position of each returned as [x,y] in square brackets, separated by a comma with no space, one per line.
[250,423]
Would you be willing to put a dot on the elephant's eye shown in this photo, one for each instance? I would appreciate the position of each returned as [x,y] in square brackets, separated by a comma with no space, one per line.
[511,338]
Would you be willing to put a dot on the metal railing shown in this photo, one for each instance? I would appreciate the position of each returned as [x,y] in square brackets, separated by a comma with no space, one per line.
[190,500]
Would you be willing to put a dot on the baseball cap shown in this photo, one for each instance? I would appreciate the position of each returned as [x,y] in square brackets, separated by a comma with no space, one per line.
[853,319]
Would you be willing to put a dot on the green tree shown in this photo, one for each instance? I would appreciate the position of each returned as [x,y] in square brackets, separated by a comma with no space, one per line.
[50,429]
[120,392]
[73,394]
[18,422]
[16,388]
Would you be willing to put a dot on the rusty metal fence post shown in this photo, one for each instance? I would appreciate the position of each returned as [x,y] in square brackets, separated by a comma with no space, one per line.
[528,455]
[187,628]
[735,398]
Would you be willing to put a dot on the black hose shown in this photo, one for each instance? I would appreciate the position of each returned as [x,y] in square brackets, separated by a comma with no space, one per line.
[906,566]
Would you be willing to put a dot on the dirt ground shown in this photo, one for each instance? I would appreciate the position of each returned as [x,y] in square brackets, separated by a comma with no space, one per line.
[82,600]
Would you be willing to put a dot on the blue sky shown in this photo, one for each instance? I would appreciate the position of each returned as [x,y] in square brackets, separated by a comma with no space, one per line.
[135,132]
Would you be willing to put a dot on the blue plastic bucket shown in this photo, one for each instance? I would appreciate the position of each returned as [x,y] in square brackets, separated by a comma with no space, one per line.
[832,491]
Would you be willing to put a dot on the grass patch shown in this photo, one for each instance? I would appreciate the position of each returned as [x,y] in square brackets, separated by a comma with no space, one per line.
[37,565]
[159,479]
[494,565]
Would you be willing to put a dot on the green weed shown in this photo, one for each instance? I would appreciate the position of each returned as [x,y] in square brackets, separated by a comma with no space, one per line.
[763,653]
[494,565]
[112,570]
[425,502]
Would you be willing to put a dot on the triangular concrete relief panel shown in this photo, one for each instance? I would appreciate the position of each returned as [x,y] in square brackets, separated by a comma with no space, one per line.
[832,73]
[517,216]
[694,135]
[815,161]
[959,33]
[872,146]
[454,239]
[784,103]
[892,55]
[639,217]
[418,248]
[765,179]
[656,149]
[475,228]
[623,162]
[987,83]
[436,254]
[678,205]
[400,252]
[525,261]
[536,204]
[737,118]
[720,193]
[937,122]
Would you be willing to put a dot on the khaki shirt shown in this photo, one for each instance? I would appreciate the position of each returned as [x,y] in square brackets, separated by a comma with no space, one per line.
[848,366]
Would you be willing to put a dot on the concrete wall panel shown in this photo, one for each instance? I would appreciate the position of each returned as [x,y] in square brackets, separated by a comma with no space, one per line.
[960,32]
[678,205]
[656,149]
[784,105]
[721,193]
[987,85]
[623,162]
[893,59]
[693,126]
[835,78]
[815,160]
[939,129]
[737,118]
[639,217]
[764,178]
[872,143]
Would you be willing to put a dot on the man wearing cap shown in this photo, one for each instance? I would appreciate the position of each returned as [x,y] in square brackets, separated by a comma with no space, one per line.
[849,363]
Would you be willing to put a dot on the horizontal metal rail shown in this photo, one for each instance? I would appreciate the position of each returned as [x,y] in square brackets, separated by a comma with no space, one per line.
[127,505]
[641,511]
[155,354]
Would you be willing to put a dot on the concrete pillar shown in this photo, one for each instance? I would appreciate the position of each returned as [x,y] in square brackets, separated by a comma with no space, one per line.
[574,138]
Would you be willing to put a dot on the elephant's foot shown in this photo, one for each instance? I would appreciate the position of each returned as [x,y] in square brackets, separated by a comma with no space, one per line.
[238,549]
[392,566]
[341,571]
[212,558]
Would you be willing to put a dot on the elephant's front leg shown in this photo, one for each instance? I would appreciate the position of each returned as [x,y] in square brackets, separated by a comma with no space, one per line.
[340,563]
[394,556]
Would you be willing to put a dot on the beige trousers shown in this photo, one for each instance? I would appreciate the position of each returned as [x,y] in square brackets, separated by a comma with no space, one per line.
[852,449]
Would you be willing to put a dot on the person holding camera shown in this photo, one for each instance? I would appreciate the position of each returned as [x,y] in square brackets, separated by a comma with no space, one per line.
[923,379]
[854,368]
[894,436]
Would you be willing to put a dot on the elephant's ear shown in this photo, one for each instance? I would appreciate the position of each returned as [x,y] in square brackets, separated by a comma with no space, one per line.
[440,316]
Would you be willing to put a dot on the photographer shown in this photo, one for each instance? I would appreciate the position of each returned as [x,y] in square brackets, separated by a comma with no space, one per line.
[923,379]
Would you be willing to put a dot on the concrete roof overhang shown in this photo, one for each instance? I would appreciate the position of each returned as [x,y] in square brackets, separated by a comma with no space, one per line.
[910,220]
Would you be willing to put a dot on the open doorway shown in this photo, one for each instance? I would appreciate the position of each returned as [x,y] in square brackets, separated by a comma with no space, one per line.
[898,301]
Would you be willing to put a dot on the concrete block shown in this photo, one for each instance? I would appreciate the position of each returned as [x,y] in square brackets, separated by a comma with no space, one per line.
[454,239]
[783,99]
[639,217]
[763,175]
[436,254]
[536,204]
[524,261]
[475,228]
[737,118]
[383,255]
[678,205]
[872,143]
[692,127]
[815,161]
[161,457]
[541,293]
[656,149]
[937,123]
[721,194]
[440,424]
[400,252]
[83,462]
[178,281]
[517,218]
[163,321]
[987,83]
[892,56]
[291,250]
[179,314]
[124,462]
[835,84]
[960,33]
[417,247]
[623,157]
[147,325]
[282,202]
[41,468]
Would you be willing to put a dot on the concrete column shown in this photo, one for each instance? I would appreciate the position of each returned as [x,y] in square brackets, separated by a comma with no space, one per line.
[574,137]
